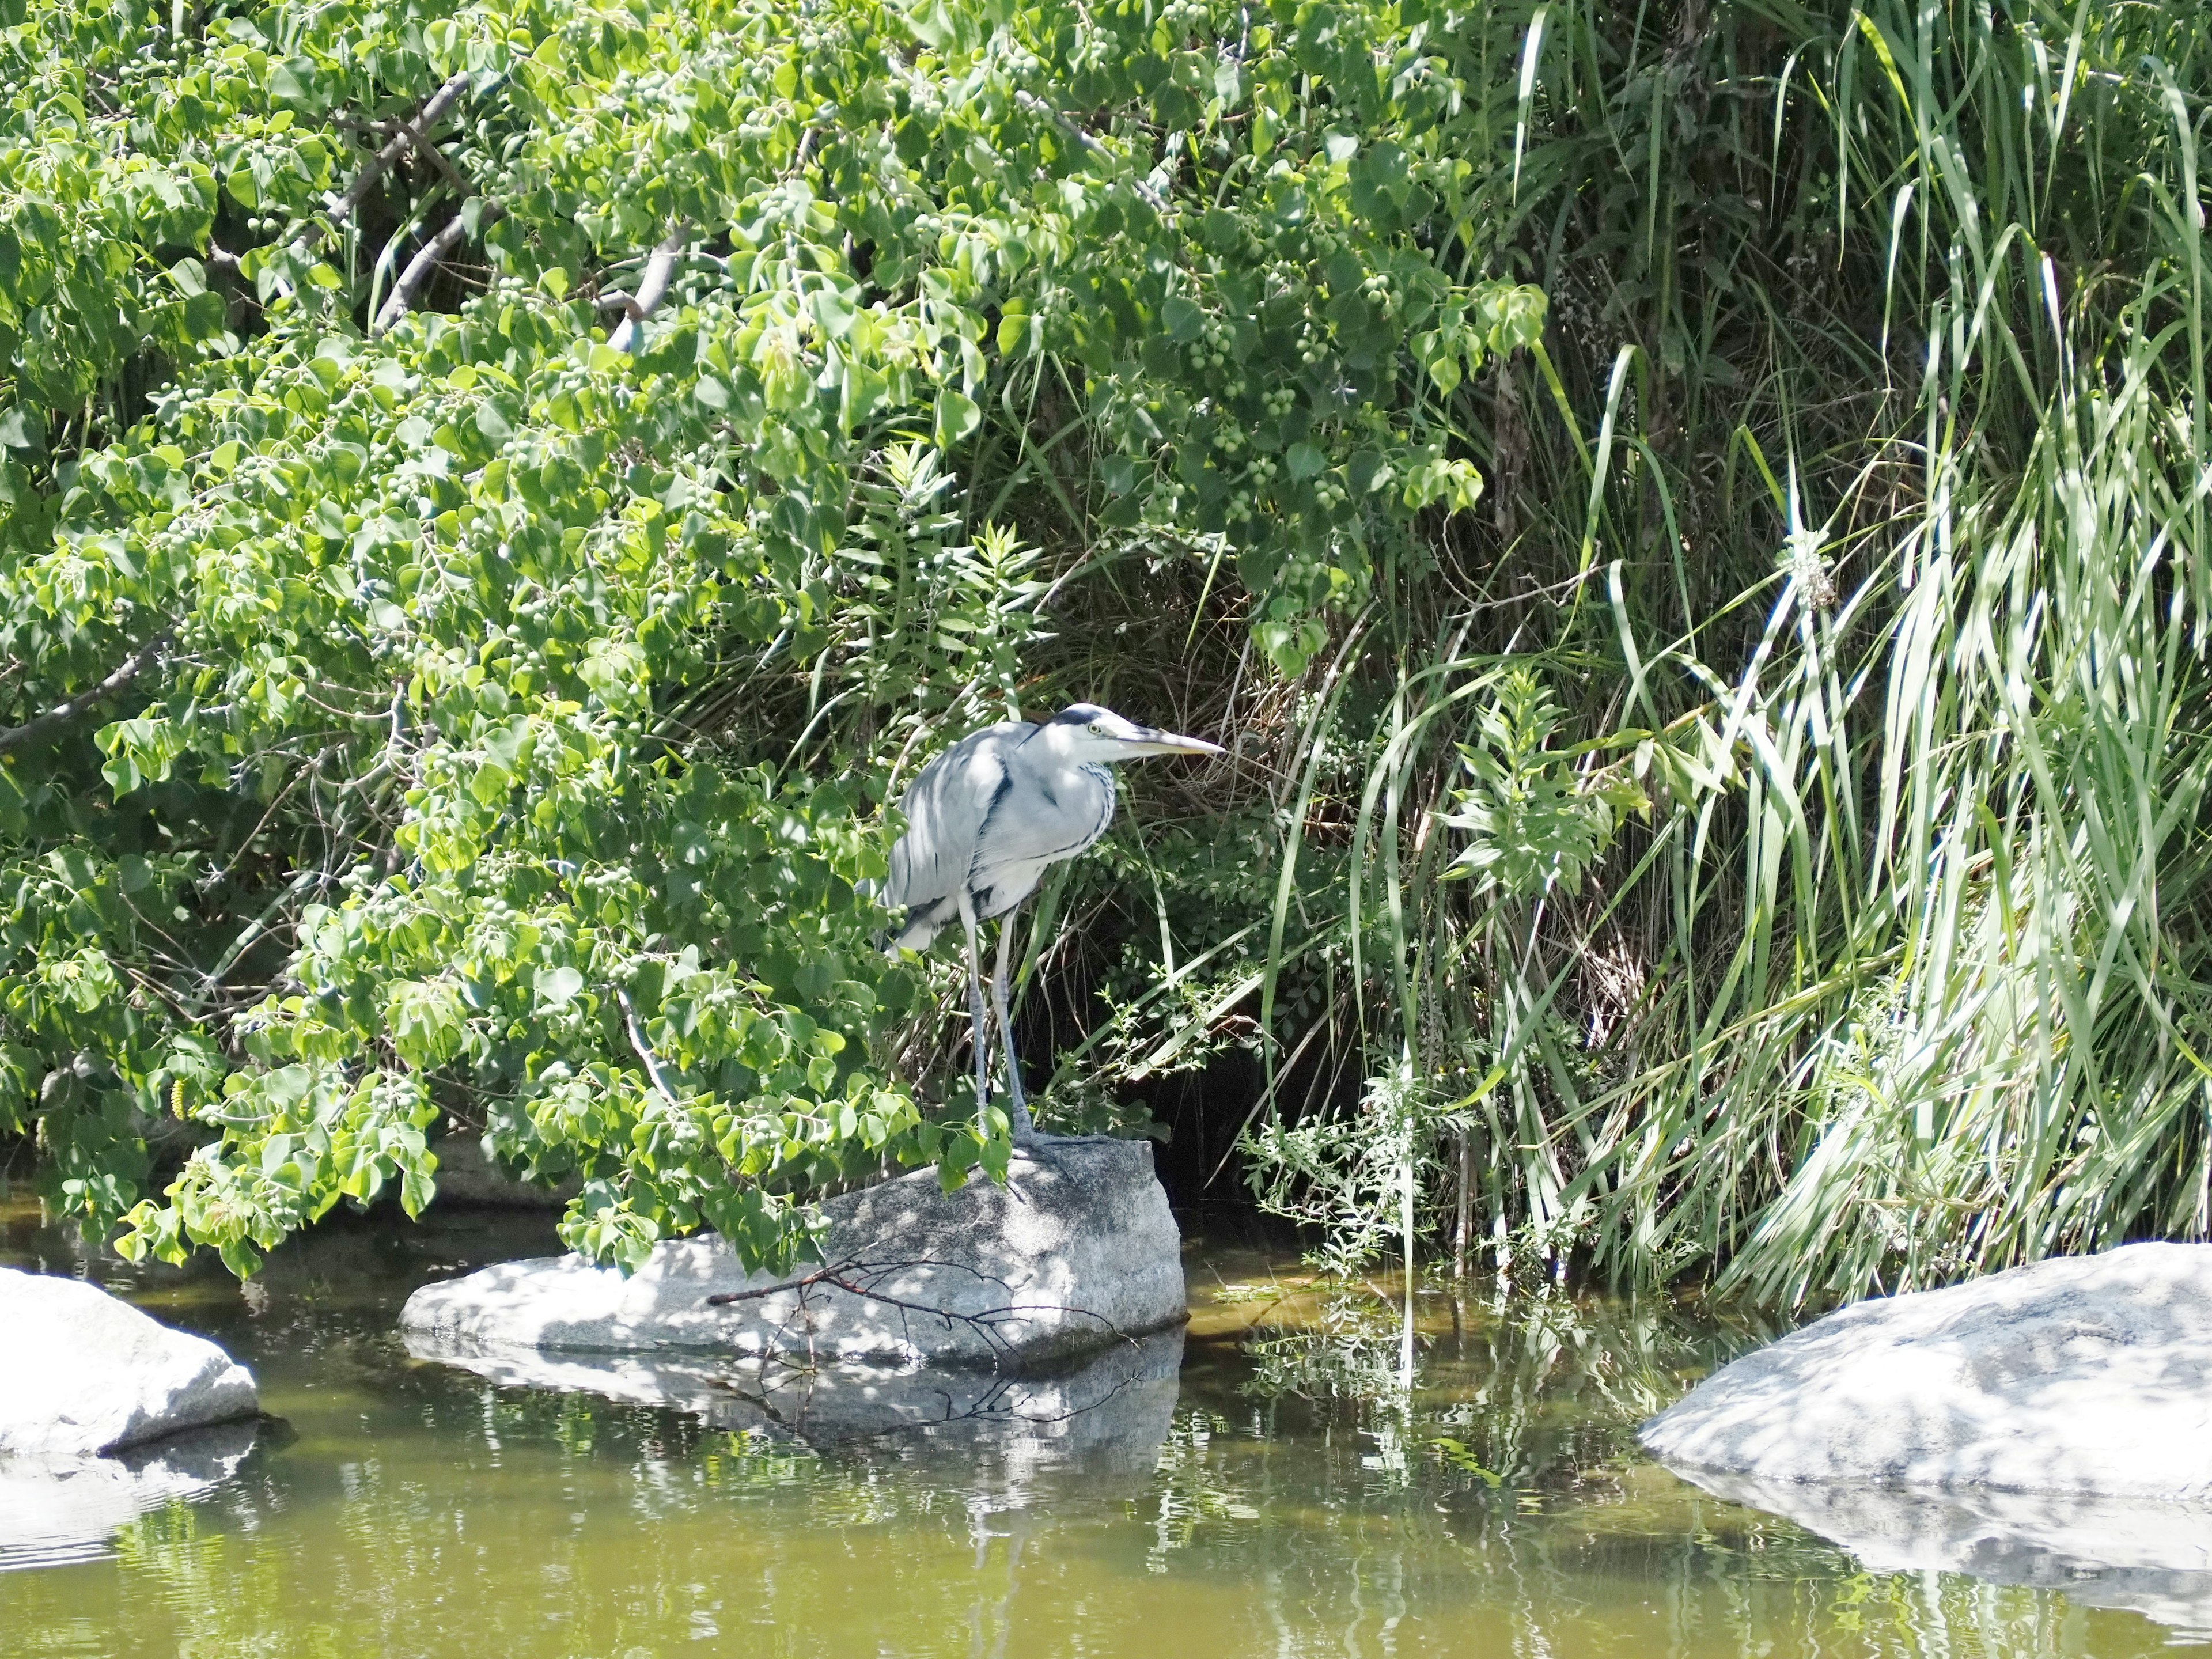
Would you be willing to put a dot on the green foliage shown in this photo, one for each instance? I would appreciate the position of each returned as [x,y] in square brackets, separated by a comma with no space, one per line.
[1869,495]
[1532,824]
[1690,515]
[501,663]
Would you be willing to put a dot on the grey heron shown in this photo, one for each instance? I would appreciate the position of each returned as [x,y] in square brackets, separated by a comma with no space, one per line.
[983,821]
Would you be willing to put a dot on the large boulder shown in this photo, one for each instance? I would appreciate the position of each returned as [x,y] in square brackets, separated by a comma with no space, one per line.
[1076,1253]
[88,1374]
[468,1175]
[2087,1377]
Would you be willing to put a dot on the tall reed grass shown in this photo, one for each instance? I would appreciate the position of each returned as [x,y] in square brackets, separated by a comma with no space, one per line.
[1855,512]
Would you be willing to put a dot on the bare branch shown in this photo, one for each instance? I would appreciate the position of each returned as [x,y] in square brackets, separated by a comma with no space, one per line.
[409,136]
[860,1279]
[46,725]
[305,881]
[644,1052]
[434,252]
[651,288]
[462,185]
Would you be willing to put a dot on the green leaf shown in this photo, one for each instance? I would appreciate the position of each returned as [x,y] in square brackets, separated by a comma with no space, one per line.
[492,420]
[956,415]
[557,987]
[425,1018]
[204,315]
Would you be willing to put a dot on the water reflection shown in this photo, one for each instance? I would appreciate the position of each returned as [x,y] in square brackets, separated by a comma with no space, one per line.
[53,1514]
[1280,1494]
[1116,1405]
[2152,1558]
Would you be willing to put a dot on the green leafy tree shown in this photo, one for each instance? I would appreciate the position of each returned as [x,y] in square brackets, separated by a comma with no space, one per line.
[522,431]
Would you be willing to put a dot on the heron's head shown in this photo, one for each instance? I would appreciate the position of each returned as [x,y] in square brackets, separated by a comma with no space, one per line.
[1085,732]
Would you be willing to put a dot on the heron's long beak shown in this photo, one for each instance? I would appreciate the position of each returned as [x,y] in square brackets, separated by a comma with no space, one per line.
[1150,742]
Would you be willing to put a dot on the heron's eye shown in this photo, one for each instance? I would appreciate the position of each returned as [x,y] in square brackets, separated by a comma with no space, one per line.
[1097,728]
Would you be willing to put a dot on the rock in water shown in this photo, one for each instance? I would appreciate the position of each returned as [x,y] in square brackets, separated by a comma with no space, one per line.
[88,1374]
[2090,1376]
[1076,1252]
[1114,1406]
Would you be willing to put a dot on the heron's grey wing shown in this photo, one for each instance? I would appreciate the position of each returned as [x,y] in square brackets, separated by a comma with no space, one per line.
[946,807]
[1045,813]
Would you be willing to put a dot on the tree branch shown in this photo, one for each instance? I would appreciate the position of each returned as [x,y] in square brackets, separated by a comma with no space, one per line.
[62,713]
[409,136]
[651,288]
[434,252]
[212,980]
[644,1050]
[1036,106]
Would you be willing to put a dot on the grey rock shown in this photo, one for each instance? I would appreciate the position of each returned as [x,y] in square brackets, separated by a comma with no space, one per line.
[89,1374]
[1114,1408]
[2146,1556]
[468,1175]
[1075,1254]
[52,1514]
[2088,1377]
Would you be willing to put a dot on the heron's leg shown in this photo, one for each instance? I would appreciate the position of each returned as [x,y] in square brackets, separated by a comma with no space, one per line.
[975,1023]
[1017,1112]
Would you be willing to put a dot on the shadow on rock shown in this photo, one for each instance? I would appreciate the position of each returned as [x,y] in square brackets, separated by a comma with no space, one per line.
[1113,1409]
[55,1513]
[2154,1558]
[1077,1245]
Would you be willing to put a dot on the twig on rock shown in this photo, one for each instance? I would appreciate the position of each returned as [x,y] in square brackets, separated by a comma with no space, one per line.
[860,1279]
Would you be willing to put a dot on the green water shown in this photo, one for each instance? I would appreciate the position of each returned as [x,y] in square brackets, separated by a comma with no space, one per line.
[1280,1494]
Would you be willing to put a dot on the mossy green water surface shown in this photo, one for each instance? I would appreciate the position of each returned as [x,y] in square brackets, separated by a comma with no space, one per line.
[1284,1496]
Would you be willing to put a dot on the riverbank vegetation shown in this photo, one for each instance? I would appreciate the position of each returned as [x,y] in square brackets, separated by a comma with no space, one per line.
[1690,519]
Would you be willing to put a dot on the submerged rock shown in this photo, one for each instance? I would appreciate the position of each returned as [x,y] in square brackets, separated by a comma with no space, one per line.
[88,1373]
[52,1514]
[1077,1253]
[2090,1376]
